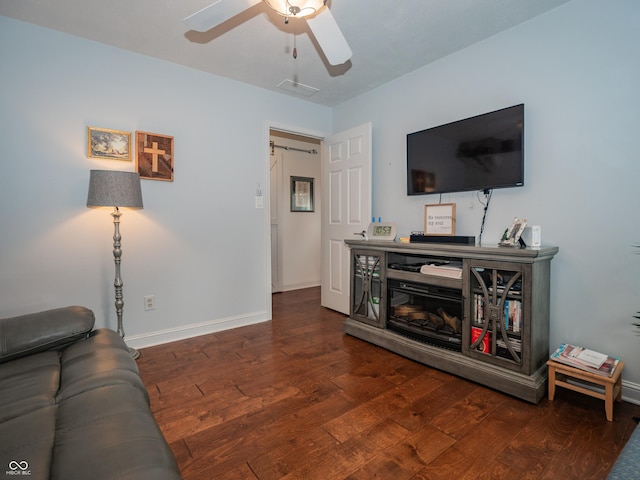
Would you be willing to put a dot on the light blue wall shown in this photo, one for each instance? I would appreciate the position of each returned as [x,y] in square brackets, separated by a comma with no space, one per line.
[577,70]
[199,241]
[199,245]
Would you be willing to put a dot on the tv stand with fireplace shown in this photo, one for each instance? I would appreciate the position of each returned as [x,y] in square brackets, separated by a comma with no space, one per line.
[481,313]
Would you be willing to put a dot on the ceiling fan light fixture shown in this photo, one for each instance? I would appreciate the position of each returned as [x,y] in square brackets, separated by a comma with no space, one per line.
[296,8]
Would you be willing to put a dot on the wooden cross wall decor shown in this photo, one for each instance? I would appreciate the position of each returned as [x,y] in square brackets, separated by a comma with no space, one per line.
[154,156]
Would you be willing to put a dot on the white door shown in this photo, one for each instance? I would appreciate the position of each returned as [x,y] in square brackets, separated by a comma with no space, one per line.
[274,186]
[346,208]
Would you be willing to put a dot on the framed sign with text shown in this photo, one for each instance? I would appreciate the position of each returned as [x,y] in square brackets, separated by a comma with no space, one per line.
[440,219]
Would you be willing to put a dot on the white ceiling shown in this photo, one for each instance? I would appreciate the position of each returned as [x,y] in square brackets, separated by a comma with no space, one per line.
[388,38]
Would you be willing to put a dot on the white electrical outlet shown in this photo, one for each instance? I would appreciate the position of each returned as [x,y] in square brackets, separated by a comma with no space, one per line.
[149,302]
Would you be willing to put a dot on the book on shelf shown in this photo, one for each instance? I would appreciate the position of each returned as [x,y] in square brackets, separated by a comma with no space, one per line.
[589,362]
[500,291]
[451,270]
[485,344]
[513,315]
[515,344]
[478,311]
[367,265]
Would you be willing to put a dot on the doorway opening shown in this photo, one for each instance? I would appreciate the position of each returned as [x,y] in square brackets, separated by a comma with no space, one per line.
[295,211]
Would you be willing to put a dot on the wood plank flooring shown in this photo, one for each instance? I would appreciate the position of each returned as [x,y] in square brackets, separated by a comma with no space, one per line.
[295,398]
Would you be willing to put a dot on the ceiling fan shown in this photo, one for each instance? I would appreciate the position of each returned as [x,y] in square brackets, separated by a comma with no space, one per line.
[318,16]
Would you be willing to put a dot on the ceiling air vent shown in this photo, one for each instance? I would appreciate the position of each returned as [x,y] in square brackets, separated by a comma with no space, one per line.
[297,88]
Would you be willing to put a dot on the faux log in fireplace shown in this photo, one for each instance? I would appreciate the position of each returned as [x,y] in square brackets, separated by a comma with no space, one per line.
[426,313]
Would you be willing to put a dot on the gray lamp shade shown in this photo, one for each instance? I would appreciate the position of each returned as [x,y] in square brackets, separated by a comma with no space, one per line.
[111,188]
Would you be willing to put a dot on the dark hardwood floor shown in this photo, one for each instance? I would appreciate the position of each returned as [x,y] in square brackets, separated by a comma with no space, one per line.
[295,398]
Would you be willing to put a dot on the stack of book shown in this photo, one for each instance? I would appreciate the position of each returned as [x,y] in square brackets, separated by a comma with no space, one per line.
[451,270]
[585,359]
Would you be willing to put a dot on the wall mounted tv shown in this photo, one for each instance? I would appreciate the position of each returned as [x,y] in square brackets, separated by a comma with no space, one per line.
[477,153]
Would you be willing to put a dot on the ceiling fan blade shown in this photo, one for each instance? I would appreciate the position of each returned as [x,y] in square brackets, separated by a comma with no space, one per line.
[330,37]
[216,13]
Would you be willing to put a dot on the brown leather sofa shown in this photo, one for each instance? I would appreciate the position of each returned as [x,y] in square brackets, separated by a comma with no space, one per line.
[73,405]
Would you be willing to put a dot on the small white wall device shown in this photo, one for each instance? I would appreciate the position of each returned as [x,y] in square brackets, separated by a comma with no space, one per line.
[533,236]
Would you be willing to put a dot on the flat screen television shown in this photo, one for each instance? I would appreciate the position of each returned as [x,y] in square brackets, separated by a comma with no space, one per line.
[477,153]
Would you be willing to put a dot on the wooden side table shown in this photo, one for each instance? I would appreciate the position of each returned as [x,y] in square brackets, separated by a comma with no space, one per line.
[559,374]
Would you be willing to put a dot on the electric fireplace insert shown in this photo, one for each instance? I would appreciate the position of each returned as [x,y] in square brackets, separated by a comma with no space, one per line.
[426,313]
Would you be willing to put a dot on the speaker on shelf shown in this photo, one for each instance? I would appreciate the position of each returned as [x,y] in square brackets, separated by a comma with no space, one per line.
[459,239]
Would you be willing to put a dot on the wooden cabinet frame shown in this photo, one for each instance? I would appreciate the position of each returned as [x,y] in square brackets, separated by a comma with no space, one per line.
[515,361]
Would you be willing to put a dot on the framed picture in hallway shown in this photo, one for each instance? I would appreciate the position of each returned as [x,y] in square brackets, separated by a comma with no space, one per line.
[154,156]
[302,194]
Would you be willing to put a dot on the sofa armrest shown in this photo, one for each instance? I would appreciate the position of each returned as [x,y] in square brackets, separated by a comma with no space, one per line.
[35,332]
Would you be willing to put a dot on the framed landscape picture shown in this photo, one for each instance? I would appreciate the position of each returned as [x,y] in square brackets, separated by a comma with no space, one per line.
[107,144]
[154,156]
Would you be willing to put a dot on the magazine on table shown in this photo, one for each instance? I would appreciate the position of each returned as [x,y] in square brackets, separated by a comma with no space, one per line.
[585,359]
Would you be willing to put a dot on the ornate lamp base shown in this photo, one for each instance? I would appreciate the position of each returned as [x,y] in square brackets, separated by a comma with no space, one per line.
[117,253]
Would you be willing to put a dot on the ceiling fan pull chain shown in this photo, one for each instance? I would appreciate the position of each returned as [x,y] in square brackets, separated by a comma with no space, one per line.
[295,50]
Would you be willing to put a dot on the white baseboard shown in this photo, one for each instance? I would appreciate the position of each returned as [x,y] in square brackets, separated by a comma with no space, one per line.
[298,286]
[194,330]
[631,392]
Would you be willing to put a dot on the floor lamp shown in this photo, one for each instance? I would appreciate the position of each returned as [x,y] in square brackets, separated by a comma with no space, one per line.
[111,188]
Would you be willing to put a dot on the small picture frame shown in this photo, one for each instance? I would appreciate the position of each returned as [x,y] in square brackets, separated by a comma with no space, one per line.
[108,144]
[302,194]
[512,235]
[154,156]
[440,219]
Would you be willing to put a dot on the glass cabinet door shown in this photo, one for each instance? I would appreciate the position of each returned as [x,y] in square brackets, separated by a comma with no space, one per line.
[367,294]
[497,317]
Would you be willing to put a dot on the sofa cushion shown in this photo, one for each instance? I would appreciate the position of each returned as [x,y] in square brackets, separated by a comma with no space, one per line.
[28,438]
[36,332]
[28,383]
[102,359]
[110,432]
